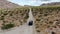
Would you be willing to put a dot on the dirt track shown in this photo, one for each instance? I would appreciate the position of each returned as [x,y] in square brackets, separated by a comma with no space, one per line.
[23,29]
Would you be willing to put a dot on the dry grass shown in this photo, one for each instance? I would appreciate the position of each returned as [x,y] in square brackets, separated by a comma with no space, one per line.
[16,16]
[45,17]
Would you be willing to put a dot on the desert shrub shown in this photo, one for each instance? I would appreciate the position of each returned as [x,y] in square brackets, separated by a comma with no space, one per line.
[38,19]
[5,13]
[7,26]
[2,18]
[11,14]
[48,26]
[26,16]
[45,14]
[41,12]
[53,33]
[22,14]
[37,27]
[50,22]
[39,16]
[38,30]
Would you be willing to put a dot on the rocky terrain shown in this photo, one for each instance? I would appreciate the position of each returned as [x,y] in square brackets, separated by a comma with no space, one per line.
[47,20]
[51,4]
[12,18]
[6,4]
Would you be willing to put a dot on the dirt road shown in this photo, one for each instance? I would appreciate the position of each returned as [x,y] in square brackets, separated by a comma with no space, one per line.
[23,29]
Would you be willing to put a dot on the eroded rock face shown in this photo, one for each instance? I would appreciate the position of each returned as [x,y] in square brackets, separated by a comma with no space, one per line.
[47,20]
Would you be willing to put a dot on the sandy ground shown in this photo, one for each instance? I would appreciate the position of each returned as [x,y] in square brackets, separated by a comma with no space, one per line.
[23,29]
[26,29]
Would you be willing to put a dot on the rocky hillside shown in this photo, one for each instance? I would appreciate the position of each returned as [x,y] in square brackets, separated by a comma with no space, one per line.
[51,4]
[7,4]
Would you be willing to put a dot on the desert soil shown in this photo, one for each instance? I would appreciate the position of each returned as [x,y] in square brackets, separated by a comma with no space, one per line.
[23,29]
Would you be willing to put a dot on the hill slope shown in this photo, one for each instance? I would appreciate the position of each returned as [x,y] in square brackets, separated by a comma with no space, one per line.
[7,4]
[51,4]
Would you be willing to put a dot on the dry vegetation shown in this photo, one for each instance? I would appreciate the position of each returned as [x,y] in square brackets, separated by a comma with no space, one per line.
[13,17]
[46,18]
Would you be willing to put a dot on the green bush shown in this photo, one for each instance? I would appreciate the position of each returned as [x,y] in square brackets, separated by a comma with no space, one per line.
[2,18]
[27,16]
[38,19]
[7,26]
[38,30]
[45,14]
